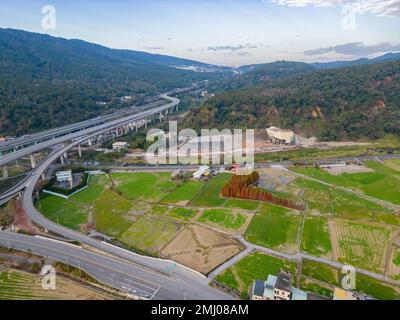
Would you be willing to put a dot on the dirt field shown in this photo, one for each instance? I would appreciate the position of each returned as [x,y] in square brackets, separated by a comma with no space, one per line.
[352,168]
[201,249]
[272,178]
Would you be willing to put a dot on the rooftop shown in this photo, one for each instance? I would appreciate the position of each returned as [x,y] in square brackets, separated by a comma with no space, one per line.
[284,281]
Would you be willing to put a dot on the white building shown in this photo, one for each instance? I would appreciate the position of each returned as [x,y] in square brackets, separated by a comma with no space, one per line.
[64,176]
[280,135]
[119,146]
[203,171]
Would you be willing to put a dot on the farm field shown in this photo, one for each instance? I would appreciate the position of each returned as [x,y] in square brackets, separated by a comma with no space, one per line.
[143,185]
[225,218]
[209,195]
[310,285]
[383,183]
[360,244]
[201,248]
[394,263]
[62,211]
[256,266]
[393,164]
[97,185]
[182,213]
[364,284]
[315,238]
[19,285]
[150,234]
[276,228]
[184,193]
[242,204]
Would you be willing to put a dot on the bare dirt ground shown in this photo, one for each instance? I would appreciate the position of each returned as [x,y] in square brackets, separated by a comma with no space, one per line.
[22,221]
[271,178]
[201,248]
[352,168]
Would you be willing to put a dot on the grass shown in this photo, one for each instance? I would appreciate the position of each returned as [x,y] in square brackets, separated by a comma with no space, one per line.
[62,211]
[97,185]
[209,195]
[242,204]
[396,259]
[184,193]
[364,284]
[315,287]
[150,233]
[159,210]
[315,239]
[255,266]
[224,218]
[276,228]
[393,164]
[144,185]
[111,214]
[182,213]
[382,184]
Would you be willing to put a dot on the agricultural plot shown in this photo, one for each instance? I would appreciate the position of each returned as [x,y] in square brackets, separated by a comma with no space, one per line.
[201,249]
[209,195]
[184,193]
[310,285]
[111,213]
[393,164]
[182,213]
[360,244]
[364,284]
[224,218]
[393,269]
[383,183]
[144,185]
[315,238]
[276,228]
[256,266]
[62,211]
[97,185]
[150,233]
[242,204]
[19,285]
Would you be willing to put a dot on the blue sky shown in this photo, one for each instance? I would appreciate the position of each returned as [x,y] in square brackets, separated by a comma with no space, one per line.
[228,32]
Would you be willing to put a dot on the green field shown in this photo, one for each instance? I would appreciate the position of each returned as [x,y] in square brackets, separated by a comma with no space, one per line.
[209,195]
[224,218]
[143,185]
[111,214]
[316,287]
[62,211]
[256,266]
[315,238]
[150,233]
[382,184]
[184,193]
[182,213]
[97,185]
[276,228]
[364,284]
[242,204]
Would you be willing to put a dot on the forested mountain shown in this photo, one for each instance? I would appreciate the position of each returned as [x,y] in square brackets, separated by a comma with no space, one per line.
[346,103]
[47,81]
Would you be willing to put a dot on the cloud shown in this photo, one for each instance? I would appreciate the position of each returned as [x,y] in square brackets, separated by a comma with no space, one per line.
[379,7]
[355,49]
[232,48]
[153,48]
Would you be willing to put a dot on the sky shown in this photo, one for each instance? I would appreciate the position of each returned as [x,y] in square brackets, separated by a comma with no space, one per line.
[223,32]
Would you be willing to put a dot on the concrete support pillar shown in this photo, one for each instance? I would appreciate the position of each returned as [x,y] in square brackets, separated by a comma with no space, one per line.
[43,176]
[89,142]
[177,107]
[33,161]
[65,155]
[145,123]
[5,172]
[136,128]
[160,116]
[62,159]
[79,150]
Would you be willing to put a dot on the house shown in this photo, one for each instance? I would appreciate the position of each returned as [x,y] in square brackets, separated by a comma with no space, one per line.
[280,136]
[277,288]
[119,146]
[64,176]
[203,171]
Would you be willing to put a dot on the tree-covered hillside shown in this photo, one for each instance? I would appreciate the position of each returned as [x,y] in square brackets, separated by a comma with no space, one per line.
[346,103]
[47,82]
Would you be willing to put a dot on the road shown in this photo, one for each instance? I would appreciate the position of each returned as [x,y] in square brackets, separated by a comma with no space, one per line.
[52,133]
[89,132]
[117,273]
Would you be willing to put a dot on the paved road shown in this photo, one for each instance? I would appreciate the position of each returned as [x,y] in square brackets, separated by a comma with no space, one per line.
[89,132]
[117,273]
[56,132]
